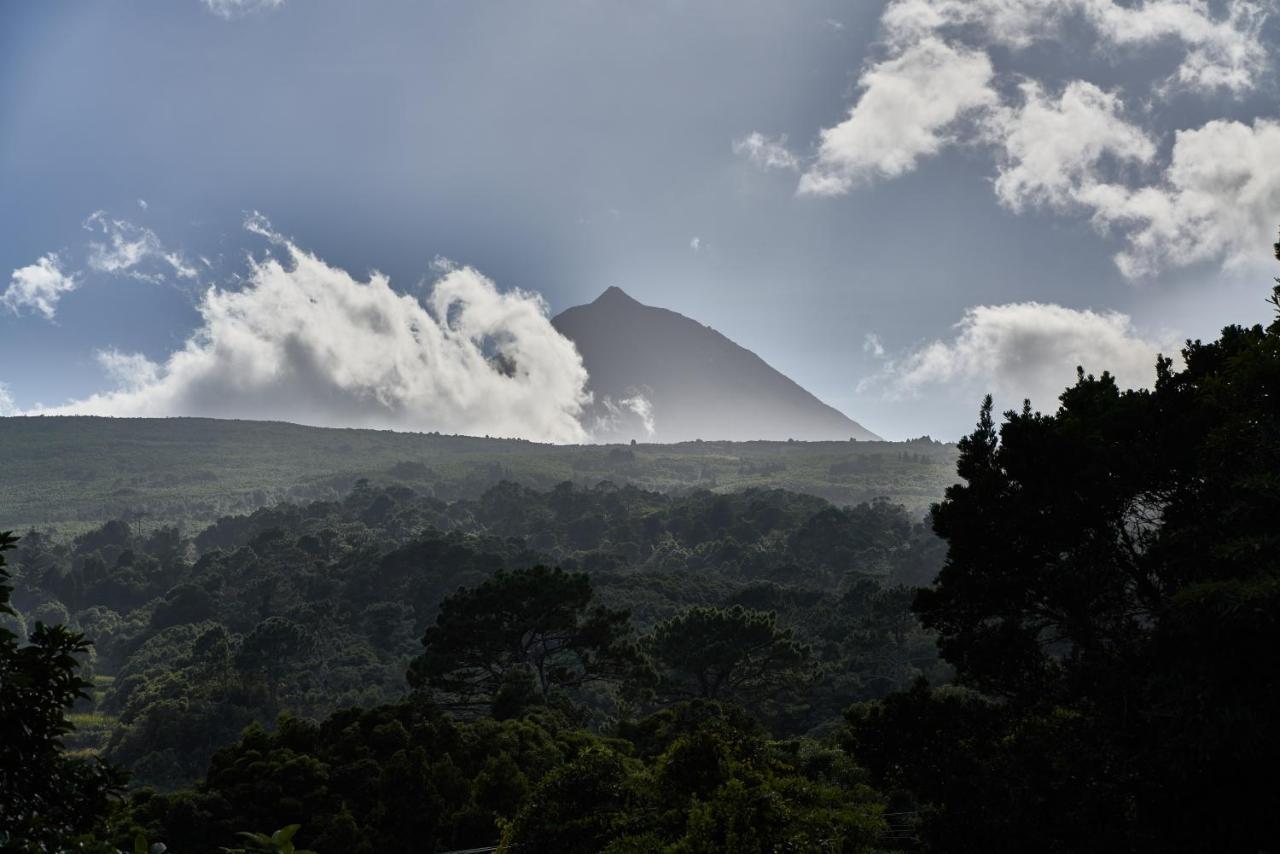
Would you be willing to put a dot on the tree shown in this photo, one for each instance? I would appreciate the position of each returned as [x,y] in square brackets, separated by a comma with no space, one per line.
[272,648]
[46,798]
[1117,565]
[536,624]
[726,654]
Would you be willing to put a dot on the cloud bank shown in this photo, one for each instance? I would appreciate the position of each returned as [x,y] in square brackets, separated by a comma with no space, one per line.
[1028,350]
[38,287]
[1070,147]
[306,342]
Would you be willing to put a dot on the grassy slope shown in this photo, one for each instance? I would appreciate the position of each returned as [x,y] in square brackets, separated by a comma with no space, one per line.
[73,472]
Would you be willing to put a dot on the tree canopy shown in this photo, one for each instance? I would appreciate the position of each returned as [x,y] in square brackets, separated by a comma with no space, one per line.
[537,624]
[731,654]
[47,798]
[1113,579]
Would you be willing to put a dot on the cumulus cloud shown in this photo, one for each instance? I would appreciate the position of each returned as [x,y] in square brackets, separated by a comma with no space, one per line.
[1218,200]
[1029,350]
[306,342]
[230,9]
[695,243]
[1078,147]
[1223,52]
[132,250]
[907,106]
[1052,148]
[7,406]
[1222,49]
[766,152]
[38,287]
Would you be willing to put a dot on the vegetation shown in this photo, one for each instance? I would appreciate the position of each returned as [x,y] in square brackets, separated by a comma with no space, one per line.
[1112,574]
[709,672]
[75,473]
[47,799]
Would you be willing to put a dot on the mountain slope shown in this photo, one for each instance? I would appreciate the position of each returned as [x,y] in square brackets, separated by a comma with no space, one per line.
[687,380]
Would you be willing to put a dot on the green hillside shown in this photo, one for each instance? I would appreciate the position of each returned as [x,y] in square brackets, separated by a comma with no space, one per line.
[71,472]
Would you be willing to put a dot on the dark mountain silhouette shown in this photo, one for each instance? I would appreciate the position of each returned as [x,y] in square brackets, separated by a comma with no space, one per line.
[687,380]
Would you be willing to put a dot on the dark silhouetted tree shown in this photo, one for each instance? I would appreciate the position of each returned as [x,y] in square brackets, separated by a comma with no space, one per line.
[538,624]
[731,654]
[47,799]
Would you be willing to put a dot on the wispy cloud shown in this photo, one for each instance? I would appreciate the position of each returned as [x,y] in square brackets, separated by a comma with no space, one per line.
[38,287]
[7,406]
[872,344]
[231,9]
[133,250]
[766,152]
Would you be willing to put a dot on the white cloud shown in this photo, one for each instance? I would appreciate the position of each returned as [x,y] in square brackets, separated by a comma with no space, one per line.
[872,344]
[906,110]
[1222,50]
[142,203]
[766,152]
[7,406]
[1218,199]
[305,342]
[132,250]
[695,243]
[1082,150]
[1029,350]
[630,417]
[1052,148]
[39,286]
[129,370]
[230,9]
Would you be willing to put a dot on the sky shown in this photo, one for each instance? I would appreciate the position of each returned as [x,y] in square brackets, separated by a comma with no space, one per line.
[340,213]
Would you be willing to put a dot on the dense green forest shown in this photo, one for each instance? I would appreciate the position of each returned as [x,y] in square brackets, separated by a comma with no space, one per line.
[313,608]
[74,473]
[1072,655]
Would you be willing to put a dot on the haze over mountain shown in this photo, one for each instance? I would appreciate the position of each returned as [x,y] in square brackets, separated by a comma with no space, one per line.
[660,376]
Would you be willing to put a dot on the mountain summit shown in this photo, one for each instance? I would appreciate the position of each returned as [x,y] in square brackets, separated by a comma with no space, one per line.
[660,376]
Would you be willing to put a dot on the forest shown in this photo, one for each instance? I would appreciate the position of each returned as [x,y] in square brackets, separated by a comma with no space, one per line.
[1069,654]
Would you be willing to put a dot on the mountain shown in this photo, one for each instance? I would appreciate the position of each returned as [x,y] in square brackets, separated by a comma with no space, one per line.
[660,376]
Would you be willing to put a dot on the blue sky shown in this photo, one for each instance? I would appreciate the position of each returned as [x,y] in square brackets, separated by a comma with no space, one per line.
[900,205]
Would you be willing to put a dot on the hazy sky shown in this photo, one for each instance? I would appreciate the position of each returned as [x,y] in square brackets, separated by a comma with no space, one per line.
[900,205]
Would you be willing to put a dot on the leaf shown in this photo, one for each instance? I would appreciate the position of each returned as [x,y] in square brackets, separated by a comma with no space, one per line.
[285,834]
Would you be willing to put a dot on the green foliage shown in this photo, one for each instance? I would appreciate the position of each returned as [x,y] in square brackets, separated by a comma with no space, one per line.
[714,787]
[727,654]
[280,842]
[1112,571]
[534,625]
[46,798]
[388,779]
[313,608]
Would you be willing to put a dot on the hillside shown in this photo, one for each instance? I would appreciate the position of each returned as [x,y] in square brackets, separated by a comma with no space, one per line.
[694,382]
[72,472]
